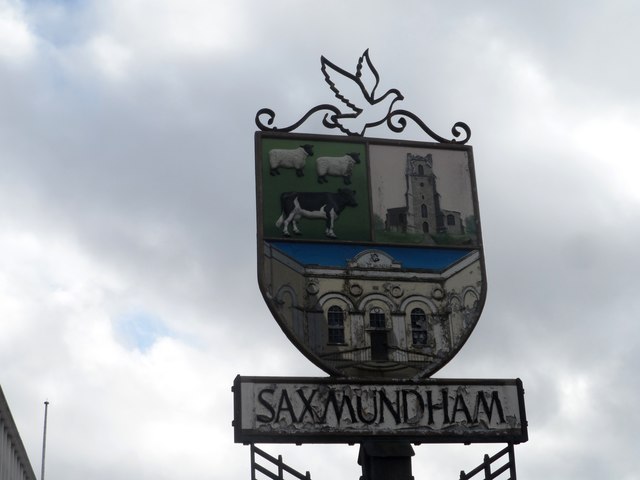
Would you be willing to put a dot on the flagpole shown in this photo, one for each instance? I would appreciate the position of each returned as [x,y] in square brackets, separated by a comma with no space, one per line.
[44,438]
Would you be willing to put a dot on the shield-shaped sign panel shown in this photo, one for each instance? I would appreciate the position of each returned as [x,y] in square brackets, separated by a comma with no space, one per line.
[369,251]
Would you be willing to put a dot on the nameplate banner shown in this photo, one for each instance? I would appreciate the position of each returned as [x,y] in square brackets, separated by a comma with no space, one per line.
[330,410]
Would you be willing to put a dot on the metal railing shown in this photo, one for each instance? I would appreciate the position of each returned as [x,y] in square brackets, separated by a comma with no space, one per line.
[485,466]
[282,468]
[406,355]
[363,354]
[277,462]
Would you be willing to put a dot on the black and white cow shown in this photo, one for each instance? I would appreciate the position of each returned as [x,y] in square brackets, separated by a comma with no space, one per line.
[320,205]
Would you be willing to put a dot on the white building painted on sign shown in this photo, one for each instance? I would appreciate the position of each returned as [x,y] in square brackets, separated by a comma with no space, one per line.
[374,314]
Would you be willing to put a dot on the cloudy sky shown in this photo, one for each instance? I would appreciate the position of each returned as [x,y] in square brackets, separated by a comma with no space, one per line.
[128,291]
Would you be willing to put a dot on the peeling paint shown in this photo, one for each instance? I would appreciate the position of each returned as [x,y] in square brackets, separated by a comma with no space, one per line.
[458,410]
[392,300]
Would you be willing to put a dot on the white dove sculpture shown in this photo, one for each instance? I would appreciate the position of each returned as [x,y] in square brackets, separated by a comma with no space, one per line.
[365,109]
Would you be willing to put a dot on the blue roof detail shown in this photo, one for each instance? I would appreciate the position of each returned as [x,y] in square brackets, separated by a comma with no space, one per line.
[337,255]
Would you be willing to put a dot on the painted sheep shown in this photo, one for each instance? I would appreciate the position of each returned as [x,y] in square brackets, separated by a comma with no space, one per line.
[337,167]
[292,158]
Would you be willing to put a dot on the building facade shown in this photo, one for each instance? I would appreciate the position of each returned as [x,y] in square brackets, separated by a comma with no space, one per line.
[372,313]
[14,463]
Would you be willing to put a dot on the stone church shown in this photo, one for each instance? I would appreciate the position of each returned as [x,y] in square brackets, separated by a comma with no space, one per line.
[422,212]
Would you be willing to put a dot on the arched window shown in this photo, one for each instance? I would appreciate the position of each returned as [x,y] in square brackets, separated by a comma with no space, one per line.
[335,320]
[420,170]
[418,327]
[425,227]
[423,209]
[376,318]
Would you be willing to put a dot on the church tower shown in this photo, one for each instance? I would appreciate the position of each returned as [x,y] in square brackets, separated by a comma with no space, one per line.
[422,199]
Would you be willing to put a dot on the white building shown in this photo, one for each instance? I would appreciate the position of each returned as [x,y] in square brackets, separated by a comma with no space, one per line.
[370,313]
[14,463]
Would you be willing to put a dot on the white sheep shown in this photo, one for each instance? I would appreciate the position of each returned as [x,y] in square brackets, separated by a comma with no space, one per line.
[337,167]
[289,158]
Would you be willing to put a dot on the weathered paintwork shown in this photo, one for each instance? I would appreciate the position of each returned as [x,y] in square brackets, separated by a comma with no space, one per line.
[400,289]
[298,410]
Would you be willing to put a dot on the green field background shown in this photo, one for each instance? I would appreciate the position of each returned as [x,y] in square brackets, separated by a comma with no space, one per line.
[353,224]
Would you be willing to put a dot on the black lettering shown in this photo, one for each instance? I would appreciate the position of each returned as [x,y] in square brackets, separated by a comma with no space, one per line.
[443,405]
[419,407]
[284,398]
[268,406]
[460,406]
[488,409]
[385,401]
[331,399]
[307,404]
[361,415]
[430,407]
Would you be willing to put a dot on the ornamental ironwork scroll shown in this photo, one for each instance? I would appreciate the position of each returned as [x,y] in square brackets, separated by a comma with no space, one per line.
[362,107]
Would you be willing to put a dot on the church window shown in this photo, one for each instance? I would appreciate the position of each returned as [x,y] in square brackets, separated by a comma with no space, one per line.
[335,317]
[425,227]
[451,220]
[376,318]
[418,327]
[420,170]
[423,209]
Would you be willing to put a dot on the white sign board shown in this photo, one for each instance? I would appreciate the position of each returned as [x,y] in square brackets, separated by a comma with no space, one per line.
[326,410]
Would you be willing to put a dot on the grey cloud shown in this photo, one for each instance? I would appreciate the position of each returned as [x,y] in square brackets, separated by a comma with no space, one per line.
[150,179]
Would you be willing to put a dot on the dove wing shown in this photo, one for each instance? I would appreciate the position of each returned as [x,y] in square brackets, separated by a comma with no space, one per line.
[347,87]
[368,75]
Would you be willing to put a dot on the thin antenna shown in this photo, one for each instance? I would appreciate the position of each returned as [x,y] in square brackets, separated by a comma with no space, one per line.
[44,438]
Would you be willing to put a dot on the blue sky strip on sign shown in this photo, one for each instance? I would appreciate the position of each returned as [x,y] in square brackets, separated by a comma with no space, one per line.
[327,255]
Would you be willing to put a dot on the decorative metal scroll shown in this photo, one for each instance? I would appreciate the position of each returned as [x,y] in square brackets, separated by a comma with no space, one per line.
[364,109]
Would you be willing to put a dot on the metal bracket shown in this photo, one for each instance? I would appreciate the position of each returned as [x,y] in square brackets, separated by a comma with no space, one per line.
[364,109]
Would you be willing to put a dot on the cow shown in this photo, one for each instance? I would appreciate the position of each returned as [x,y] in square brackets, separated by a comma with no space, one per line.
[321,205]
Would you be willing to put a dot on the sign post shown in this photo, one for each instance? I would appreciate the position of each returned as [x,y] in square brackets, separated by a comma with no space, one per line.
[370,259]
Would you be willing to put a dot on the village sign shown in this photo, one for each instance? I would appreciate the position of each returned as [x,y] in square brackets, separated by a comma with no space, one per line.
[369,250]
[370,259]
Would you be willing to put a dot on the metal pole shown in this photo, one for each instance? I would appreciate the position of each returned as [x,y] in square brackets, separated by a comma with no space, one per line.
[385,460]
[44,438]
